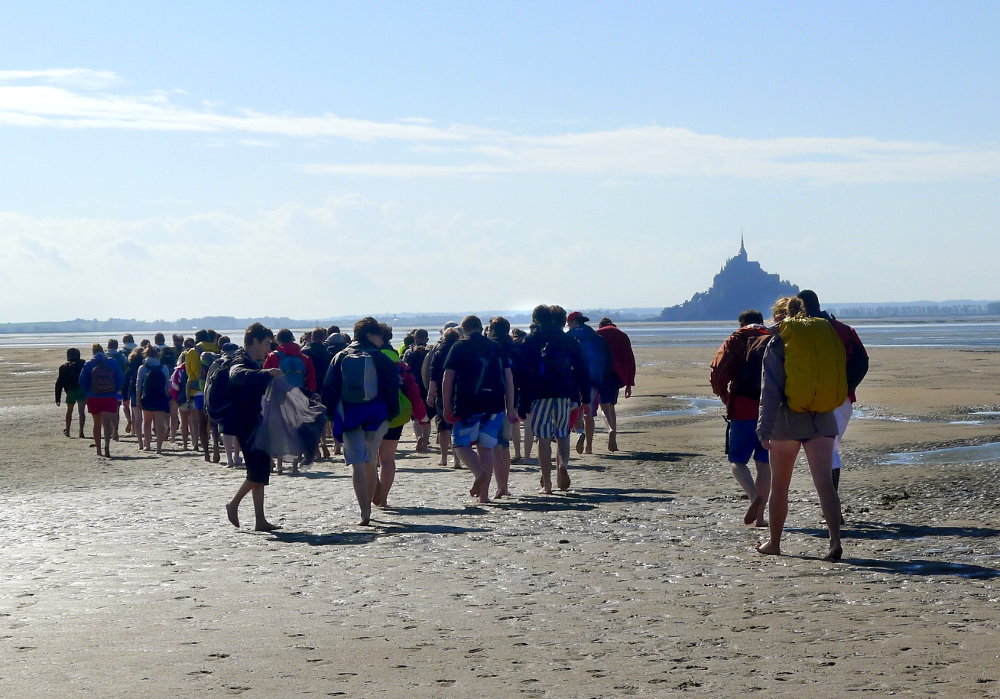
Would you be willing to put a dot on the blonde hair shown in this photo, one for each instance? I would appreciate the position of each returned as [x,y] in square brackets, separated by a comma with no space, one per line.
[780,309]
[796,308]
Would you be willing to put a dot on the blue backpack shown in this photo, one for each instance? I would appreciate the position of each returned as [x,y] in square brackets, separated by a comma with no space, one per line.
[294,369]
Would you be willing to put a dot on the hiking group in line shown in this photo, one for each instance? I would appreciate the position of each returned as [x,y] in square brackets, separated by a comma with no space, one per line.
[479,385]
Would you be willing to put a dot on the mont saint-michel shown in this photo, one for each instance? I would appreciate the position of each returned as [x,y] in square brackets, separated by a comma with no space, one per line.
[739,285]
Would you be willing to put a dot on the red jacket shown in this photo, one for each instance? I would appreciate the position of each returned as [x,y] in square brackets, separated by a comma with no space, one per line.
[730,369]
[412,391]
[622,358]
[290,349]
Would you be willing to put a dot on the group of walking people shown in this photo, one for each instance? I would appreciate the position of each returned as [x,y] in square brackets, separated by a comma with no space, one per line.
[478,385]
[788,386]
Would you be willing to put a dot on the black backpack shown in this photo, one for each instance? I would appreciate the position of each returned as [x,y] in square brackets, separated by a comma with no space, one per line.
[555,367]
[218,391]
[154,384]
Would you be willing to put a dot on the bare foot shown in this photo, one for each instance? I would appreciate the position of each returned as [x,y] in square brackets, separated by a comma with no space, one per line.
[545,491]
[233,514]
[769,549]
[442,463]
[107,452]
[66,432]
[752,511]
[579,443]
[612,441]
[500,493]
[588,450]
[761,524]
[365,521]
[835,554]
[562,479]
[266,527]
[81,434]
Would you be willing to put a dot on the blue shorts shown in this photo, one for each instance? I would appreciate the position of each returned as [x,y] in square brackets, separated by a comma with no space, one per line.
[199,401]
[503,439]
[743,442]
[479,429]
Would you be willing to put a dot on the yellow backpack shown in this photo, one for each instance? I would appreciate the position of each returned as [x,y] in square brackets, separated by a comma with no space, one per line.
[815,365]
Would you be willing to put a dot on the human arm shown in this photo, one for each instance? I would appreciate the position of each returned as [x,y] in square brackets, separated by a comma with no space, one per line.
[446,394]
[59,384]
[772,391]
[508,377]
[332,386]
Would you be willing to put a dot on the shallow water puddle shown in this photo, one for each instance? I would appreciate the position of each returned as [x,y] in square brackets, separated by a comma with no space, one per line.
[950,455]
[696,406]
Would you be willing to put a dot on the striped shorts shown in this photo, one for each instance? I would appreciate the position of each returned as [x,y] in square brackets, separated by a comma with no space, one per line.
[550,417]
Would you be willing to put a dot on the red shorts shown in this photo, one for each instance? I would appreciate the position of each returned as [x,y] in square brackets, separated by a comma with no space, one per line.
[102,405]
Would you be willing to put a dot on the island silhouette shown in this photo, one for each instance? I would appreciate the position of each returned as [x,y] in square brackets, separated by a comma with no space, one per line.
[741,284]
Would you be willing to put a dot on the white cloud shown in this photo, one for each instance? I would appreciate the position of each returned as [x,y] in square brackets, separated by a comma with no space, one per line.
[70,99]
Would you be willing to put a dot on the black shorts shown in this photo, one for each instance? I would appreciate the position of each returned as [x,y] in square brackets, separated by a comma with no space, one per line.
[394,433]
[443,425]
[258,462]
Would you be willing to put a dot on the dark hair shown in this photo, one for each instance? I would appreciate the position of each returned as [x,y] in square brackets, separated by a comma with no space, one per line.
[450,336]
[96,348]
[541,315]
[72,354]
[255,333]
[201,336]
[284,336]
[158,338]
[366,326]
[178,339]
[518,335]
[751,316]
[318,335]
[127,337]
[386,331]
[558,316]
[420,336]
[151,351]
[112,343]
[499,326]
[605,321]
[144,343]
[189,343]
[224,340]
[472,324]
[810,300]
[333,330]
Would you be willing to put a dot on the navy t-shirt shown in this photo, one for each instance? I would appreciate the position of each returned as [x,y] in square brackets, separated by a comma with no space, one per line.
[479,368]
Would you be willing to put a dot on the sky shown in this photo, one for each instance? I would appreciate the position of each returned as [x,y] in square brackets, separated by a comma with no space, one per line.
[320,159]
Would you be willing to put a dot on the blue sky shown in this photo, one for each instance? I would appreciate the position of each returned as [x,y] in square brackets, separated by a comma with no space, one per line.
[318,159]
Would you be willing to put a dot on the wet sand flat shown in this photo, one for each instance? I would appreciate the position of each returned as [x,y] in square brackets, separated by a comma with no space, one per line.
[122,577]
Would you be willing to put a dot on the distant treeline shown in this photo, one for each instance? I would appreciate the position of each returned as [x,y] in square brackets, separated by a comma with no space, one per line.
[910,311]
[402,321]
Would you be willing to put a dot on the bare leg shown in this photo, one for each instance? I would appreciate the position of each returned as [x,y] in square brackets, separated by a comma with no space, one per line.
[529,439]
[819,452]
[162,424]
[185,417]
[545,463]
[562,476]
[611,422]
[387,471]
[782,455]
[137,426]
[98,423]
[501,470]
[763,485]
[83,417]
[359,477]
[69,418]
[174,420]
[588,428]
[743,476]
[147,428]
[108,421]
